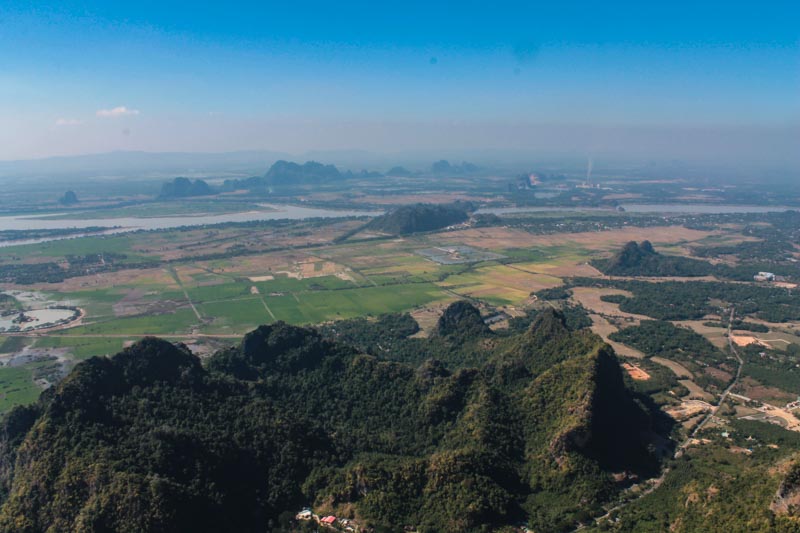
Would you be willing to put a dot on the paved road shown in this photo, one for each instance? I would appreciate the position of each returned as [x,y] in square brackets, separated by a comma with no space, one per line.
[724,396]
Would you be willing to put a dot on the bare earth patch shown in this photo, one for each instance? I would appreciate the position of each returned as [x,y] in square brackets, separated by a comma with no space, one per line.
[591,240]
[715,335]
[679,370]
[604,328]
[635,372]
[718,374]
[695,392]
[755,390]
[746,340]
[687,409]
[146,276]
[589,297]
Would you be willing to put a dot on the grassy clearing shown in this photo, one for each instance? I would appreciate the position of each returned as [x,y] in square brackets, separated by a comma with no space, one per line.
[238,316]
[17,387]
[223,291]
[98,303]
[179,322]
[499,284]
[12,344]
[524,254]
[283,283]
[82,347]
[121,244]
[319,306]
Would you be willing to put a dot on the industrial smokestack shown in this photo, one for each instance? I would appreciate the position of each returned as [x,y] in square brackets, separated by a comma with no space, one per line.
[589,165]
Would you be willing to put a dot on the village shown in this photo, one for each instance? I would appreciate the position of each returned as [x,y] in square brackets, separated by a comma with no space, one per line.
[331,522]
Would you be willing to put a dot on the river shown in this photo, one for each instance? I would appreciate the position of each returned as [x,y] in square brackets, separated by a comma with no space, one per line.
[294,212]
[126,224]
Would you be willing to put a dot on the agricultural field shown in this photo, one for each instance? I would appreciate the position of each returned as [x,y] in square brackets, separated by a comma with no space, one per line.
[208,286]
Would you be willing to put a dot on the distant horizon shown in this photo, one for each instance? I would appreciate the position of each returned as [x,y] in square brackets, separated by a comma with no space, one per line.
[692,144]
[682,80]
[167,164]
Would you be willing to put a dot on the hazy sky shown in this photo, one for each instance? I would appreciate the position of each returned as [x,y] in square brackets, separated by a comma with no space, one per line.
[671,78]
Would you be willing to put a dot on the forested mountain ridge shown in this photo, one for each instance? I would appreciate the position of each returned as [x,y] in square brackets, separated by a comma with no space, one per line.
[151,440]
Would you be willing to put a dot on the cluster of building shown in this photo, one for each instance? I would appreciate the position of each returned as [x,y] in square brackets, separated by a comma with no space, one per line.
[340,524]
[779,281]
[764,276]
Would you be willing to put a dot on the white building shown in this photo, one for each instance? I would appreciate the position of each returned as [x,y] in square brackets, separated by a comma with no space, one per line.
[764,276]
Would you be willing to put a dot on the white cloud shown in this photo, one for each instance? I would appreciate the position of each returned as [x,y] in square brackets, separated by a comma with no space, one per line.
[68,122]
[120,111]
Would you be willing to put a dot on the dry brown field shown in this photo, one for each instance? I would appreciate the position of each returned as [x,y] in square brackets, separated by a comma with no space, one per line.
[635,372]
[679,370]
[589,297]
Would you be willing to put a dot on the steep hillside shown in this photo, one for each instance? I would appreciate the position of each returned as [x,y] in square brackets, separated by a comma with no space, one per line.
[420,217]
[461,318]
[642,260]
[151,440]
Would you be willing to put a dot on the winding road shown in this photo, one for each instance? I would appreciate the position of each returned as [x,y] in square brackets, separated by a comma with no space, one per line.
[724,396]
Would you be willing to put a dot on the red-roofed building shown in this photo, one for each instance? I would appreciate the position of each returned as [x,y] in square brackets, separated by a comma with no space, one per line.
[328,520]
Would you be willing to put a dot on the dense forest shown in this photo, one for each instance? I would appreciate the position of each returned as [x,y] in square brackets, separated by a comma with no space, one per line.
[692,300]
[540,430]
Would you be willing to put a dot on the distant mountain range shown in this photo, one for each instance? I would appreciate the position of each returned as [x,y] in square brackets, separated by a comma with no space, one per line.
[198,164]
[284,173]
[251,162]
[141,164]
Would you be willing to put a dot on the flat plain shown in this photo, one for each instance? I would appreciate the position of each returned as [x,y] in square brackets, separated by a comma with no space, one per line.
[208,286]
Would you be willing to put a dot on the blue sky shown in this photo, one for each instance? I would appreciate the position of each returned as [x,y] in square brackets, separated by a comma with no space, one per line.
[81,77]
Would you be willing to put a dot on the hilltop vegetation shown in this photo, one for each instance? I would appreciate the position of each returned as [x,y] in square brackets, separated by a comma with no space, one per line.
[418,218]
[151,440]
[287,173]
[744,483]
[642,260]
[444,167]
[68,198]
[184,187]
